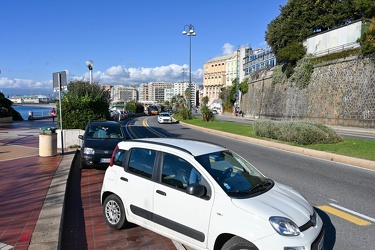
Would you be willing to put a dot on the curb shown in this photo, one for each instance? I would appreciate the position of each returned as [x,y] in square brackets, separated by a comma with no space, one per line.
[48,229]
[310,152]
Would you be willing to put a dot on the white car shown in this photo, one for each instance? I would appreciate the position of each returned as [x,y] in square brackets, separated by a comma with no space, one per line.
[205,197]
[164,118]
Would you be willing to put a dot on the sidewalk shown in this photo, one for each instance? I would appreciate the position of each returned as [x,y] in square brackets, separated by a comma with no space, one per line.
[27,180]
[33,195]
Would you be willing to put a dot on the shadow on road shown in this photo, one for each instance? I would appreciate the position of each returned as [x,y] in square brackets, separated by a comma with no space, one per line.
[330,230]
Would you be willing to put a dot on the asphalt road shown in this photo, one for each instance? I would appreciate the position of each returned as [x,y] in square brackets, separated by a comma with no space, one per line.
[342,194]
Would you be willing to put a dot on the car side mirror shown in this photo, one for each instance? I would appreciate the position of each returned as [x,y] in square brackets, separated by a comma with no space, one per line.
[80,137]
[196,190]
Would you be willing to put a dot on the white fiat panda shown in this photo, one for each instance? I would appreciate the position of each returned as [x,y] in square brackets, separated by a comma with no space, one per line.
[205,197]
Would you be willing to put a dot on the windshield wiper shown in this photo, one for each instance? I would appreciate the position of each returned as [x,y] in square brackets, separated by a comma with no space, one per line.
[260,186]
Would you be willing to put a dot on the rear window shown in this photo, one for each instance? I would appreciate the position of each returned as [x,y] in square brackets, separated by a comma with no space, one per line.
[104,131]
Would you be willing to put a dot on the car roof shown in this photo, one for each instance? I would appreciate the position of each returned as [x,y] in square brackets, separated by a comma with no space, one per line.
[192,147]
[103,123]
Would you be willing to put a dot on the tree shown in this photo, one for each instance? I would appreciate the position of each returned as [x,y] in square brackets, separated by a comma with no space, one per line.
[367,39]
[205,100]
[300,19]
[207,114]
[84,102]
[244,86]
[227,95]
[178,102]
[7,110]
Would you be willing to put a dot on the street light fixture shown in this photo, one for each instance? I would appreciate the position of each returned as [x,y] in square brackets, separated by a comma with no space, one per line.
[189,31]
[90,65]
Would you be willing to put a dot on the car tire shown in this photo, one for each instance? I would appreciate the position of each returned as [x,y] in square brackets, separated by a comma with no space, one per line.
[114,212]
[237,243]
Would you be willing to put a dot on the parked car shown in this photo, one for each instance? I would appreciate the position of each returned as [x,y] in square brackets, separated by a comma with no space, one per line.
[204,196]
[99,140]
[123,114]
[114,114]
[164,117]
[214,111]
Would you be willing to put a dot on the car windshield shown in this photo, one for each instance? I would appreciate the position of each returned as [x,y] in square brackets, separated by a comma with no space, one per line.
[165,115]
[104,132]
[237,177]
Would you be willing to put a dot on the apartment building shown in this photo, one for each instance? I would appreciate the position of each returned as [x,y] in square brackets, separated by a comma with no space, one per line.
[155,91]
[123,94]
[179,88]
[258,59]
[143,92]
[214,76]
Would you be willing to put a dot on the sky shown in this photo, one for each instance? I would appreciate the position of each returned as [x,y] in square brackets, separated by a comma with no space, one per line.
[130,41]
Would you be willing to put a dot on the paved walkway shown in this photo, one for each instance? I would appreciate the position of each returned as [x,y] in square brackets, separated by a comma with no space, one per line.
[34,195]
[25,181]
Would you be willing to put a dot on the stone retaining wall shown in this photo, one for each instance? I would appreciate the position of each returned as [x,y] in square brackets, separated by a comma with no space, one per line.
[341,92]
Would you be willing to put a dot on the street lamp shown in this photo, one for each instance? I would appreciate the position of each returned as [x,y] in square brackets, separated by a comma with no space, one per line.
[189,31]
[90,65]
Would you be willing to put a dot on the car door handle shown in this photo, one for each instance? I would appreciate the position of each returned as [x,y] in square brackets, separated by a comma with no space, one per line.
[124,179]
[161,192]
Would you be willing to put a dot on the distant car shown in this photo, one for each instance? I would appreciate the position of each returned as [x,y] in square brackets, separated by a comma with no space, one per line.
[130,112]
[114,114]
[164,118]
[122,115]
[99,140]
[214,111]
[206,197]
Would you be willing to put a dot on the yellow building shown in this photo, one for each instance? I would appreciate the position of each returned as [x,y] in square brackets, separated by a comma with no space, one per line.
[214,76]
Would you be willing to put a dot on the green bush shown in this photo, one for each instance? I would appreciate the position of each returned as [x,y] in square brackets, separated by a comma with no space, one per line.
[84,102]
[304,133]
[207,114]
[183,114]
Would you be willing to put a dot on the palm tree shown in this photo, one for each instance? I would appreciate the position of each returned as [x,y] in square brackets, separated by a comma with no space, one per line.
[205,100]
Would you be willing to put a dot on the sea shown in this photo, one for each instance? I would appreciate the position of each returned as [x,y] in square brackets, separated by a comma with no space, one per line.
[38,110]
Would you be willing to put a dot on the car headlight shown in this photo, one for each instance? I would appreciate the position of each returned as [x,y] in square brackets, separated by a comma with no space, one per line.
[89,151]
[284,226]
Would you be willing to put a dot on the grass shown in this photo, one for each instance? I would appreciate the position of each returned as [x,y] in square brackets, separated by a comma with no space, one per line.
[363,149]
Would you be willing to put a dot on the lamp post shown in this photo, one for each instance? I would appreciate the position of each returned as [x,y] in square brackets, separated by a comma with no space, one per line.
[90,65]
[189,31]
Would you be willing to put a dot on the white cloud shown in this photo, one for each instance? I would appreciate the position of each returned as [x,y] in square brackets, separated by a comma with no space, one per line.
[115,75]
[228,49]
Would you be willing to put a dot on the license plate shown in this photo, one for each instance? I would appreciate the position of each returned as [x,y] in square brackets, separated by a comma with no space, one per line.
[105,160]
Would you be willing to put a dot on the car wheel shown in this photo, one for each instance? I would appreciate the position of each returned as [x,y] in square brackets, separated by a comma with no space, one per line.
[114,212]
[238,243]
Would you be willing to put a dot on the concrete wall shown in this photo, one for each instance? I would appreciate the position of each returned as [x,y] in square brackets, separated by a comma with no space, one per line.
[70,137]
[339,93]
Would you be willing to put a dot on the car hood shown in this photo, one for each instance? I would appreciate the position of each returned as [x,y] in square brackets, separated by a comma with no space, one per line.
[102,144]
[282,201]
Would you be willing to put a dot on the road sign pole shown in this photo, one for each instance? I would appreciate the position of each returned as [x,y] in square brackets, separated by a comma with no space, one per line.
[61,127]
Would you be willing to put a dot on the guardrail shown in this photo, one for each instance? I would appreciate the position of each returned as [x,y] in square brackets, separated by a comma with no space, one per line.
[38,115]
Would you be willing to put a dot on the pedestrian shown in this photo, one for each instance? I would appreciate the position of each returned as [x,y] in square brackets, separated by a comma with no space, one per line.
[53,114]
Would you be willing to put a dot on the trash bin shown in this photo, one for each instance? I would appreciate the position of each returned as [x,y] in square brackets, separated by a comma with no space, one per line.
[47,141]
